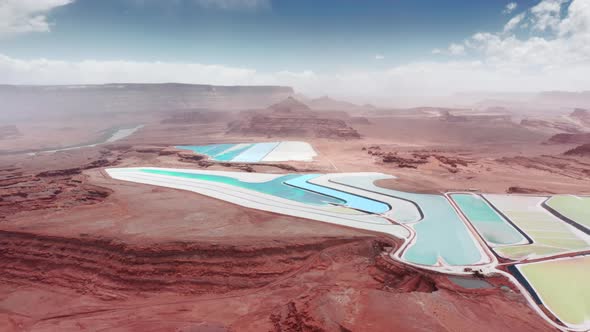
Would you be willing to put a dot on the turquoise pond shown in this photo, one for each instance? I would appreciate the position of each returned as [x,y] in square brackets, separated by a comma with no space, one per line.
[245,153]
[293,187]
[230,155]
[489,223]
[210,150]
[256,153]
[353,201]
[441,234]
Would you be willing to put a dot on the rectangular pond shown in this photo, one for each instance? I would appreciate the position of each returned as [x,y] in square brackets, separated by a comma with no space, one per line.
[291,150]
[353,201]
[255,152]
[550,234]
[489,223]
[441,235]
[563,286]
[574,208]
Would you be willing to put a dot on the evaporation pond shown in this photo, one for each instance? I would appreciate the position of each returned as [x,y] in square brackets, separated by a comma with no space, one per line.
[575,208]
[353,201]
[441,234]
[563,286]
[275,187]
[491,225]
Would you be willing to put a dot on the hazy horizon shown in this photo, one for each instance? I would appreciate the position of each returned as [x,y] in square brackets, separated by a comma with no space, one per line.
[534,100]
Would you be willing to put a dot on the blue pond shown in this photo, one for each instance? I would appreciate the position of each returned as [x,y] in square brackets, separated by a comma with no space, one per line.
[248,153]
[274,187]
[441,234]
[353,201]
[489,223]
[293,187]
[230,155]
[210,150]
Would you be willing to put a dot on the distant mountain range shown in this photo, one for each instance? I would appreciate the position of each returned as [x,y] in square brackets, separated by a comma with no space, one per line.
[326,103]
[21,102]
[547,100]
[293,118]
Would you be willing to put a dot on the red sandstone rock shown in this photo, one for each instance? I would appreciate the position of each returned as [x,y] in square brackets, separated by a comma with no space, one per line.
[582,115]
[582,150]
[291,118]
[521,190]
[553,126]
[581,138]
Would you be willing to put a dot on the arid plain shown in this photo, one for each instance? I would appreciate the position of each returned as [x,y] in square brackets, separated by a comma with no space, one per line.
[81,250]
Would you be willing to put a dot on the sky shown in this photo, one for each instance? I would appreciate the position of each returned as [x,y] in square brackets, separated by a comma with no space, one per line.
[370,50]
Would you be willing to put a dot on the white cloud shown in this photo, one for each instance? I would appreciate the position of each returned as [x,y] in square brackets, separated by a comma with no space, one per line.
[578,19]
[456,49]
[21,16]
[556,59]
[565,45]
[514,22]
[547,14]
[234,4]
[44,71]
[379,57]
[211,4]
[453,49]
[510,8]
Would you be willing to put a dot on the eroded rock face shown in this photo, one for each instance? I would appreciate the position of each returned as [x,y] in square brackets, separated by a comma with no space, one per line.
[294,126]
[523,190]
[583,115]
[448,116]
[581,138]
[399,278]
[292,118]
[392,158]
[61,188]
[112,266]
[289,105]
[582,150]
[567,167]
[414,159]
[552,126]
[29,193]
[312,284]
[188,156]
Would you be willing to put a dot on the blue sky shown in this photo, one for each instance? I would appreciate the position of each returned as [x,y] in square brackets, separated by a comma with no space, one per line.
[276,35]
[429,45]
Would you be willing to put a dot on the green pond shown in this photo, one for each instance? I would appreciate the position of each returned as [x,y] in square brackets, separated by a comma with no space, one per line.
[489,223]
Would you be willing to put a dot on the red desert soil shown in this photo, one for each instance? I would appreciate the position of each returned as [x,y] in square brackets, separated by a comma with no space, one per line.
[83,251]
[148,258]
